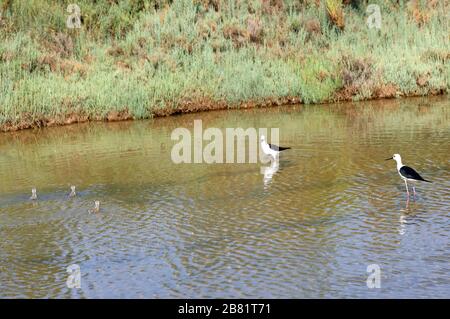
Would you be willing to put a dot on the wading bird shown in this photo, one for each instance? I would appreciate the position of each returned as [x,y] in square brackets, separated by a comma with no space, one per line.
[72,191]
[407,174]
[271,149]
[33,194]
[96,209]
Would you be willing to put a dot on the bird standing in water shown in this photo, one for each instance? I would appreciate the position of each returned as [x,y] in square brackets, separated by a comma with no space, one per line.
[271,149]
[96,209]
[33,194]
[407,174]
[72,191]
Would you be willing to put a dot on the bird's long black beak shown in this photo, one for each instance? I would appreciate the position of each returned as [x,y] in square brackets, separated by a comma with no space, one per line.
[387,159]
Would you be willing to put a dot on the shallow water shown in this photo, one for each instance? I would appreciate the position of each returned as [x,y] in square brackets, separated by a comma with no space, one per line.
[222,230]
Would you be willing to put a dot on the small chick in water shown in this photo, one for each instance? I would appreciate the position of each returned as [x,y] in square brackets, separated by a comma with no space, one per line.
[96,209]
[72,191]
[33,194]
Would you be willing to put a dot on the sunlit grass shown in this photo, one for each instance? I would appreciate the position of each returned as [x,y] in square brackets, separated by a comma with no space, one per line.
[143,58]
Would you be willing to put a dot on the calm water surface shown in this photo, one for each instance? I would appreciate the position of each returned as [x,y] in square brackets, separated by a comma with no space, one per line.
[223,230]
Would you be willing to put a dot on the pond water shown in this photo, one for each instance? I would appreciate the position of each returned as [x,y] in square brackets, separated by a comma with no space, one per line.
[167,230]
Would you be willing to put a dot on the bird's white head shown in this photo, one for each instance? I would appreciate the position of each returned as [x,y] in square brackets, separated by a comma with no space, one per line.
[263,138]
[397,158]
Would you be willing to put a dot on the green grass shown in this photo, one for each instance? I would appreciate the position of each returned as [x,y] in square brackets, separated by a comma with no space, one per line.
[145,58]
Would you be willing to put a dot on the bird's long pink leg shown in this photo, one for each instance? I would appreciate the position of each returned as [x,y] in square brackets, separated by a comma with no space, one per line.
[414,192]
[407,190]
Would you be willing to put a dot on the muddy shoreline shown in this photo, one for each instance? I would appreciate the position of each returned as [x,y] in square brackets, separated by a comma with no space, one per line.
[183,108]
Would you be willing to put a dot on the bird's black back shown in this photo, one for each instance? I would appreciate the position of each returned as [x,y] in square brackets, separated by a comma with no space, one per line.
[410,173]
[278,148]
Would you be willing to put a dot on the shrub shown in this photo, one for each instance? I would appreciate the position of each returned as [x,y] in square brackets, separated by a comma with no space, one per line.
[336,13]
[355,71]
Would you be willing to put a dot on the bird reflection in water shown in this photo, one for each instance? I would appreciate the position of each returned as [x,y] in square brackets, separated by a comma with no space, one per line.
[270,171]
[402,227]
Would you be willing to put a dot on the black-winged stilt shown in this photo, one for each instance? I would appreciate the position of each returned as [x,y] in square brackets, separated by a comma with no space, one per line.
[407,174]
[72,191]
[96,209]
[33,194]
[271,149]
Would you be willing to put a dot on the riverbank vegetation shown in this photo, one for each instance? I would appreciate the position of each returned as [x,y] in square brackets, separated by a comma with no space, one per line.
[139,59]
